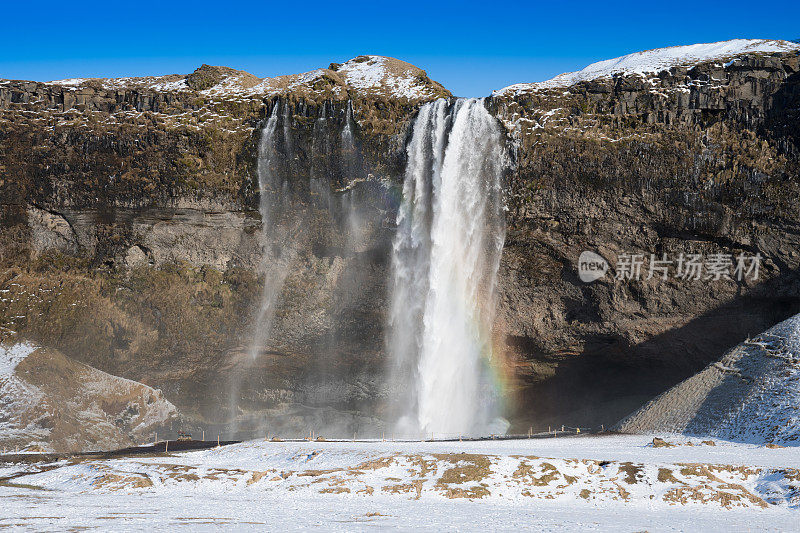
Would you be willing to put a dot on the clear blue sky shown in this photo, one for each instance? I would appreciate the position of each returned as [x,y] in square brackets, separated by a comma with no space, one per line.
[471,47]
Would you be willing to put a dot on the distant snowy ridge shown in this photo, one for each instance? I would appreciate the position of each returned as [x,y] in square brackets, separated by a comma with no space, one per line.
[752,394]
[657,60]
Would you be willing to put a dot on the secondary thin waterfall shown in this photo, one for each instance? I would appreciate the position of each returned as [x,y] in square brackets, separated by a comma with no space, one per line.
[446,254]
[269,184]
[278,248]
[289,207]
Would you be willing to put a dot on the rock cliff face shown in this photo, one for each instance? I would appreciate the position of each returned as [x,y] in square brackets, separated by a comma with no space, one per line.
[130,229]
[698,158]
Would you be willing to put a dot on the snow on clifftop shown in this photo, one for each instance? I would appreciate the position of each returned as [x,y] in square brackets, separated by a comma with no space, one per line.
[388,75]
[657,60]
[172,82]
[363,75]
[371,75]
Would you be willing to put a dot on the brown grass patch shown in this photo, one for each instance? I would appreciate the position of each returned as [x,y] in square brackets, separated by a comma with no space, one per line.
[665,475]
[661,443]
[118,482]
[256,477]
[632,472]
[406,488]
[335,490]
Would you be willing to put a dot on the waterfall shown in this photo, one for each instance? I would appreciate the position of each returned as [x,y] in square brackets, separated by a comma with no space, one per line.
[446,253]
[348,140]
[355,221]
[293,212]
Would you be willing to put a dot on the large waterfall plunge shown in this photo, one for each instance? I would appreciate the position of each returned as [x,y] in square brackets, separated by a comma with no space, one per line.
[445,259]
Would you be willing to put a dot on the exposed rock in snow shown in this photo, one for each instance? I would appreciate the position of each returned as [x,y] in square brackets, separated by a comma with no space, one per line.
[56,403]
[750,395]
[657,60]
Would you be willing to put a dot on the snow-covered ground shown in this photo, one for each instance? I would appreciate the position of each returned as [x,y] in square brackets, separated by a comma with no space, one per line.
[191,511]
[11,355]
[16,395]
[657,60]
[561,484]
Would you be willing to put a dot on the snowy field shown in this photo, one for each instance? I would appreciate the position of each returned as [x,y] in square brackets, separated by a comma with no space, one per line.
[588,483]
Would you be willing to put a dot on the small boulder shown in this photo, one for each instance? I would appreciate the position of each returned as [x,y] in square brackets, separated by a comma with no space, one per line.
[661,443]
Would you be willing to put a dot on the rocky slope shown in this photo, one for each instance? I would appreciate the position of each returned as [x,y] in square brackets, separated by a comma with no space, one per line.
[750,395]
[49,402]
[130,230]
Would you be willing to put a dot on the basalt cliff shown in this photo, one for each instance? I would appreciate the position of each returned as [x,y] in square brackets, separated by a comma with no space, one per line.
[130,230]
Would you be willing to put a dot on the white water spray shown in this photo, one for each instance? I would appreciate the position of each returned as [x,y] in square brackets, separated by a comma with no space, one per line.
[445,259]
